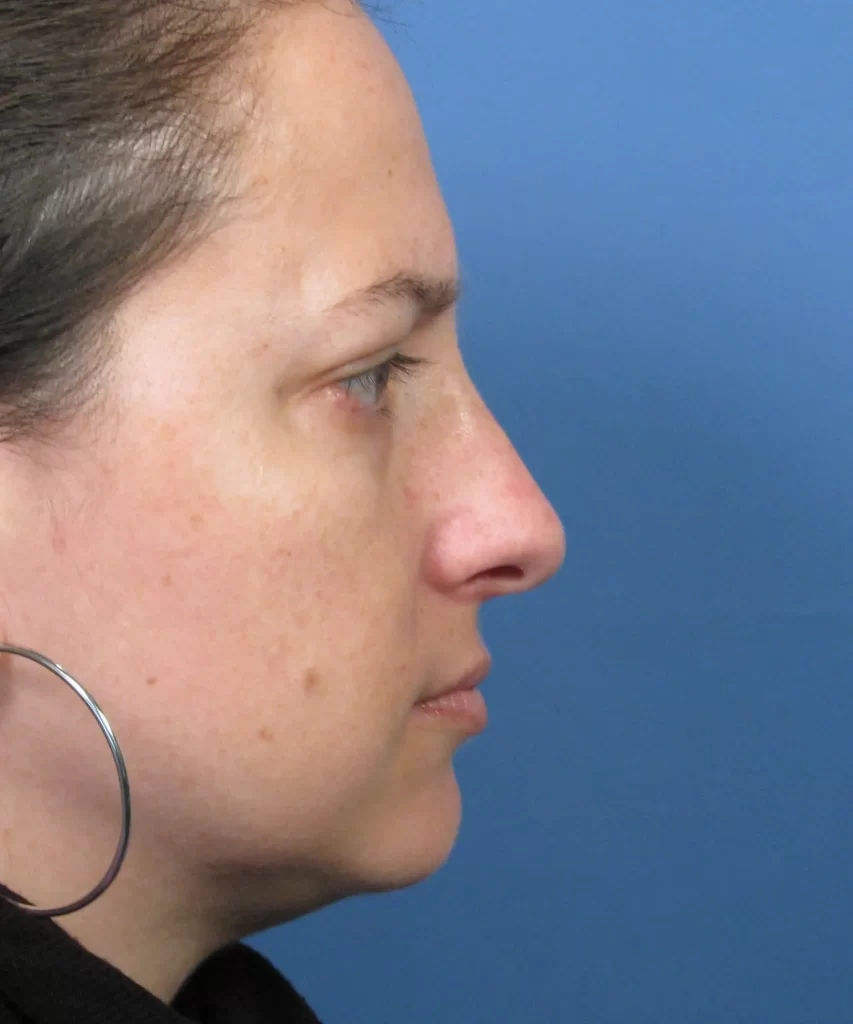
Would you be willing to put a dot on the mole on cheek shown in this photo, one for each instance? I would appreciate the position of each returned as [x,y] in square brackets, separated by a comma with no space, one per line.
[265,734]
[151,681]
[311,680]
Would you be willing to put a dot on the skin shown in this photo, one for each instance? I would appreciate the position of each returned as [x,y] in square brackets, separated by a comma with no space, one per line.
[256,568]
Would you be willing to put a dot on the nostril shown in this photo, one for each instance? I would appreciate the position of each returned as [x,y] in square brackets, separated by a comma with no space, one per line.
[504,572]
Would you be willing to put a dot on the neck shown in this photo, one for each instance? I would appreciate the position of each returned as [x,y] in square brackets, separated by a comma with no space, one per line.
[153,941]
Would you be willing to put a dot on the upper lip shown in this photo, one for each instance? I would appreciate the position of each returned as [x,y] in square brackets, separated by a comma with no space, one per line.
[473,677]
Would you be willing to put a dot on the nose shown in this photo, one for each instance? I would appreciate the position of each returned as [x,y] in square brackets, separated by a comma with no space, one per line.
[495,533]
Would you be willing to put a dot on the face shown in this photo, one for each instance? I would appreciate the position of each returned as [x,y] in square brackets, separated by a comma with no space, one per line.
[271,543]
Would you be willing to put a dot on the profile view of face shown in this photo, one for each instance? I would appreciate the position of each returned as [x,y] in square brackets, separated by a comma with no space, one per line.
[269,538]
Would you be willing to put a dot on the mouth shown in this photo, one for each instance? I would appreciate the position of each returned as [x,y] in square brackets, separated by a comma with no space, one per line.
[461,704]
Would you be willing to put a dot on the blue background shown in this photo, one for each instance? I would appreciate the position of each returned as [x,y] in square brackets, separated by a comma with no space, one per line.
[654,205]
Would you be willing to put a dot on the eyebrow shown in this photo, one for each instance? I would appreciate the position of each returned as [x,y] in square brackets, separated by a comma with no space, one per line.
[430,296]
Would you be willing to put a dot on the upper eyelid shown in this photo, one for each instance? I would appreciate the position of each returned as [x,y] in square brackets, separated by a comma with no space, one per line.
[372,362]
[398,340]
[397,360]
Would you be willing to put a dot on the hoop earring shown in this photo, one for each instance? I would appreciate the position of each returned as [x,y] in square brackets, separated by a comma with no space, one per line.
[124,786]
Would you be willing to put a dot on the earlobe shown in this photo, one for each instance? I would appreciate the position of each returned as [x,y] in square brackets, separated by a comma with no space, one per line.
[7,650]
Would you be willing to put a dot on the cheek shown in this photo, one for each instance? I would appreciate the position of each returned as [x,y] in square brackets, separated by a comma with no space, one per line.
[254,637]
[256,617]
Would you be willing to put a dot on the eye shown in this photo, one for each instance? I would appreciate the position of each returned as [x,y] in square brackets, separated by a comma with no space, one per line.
[369,388]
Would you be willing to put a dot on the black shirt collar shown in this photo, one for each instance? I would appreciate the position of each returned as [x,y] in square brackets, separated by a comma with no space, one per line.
[48,977]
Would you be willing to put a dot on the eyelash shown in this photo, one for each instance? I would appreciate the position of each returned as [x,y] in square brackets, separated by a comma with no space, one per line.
[398,367]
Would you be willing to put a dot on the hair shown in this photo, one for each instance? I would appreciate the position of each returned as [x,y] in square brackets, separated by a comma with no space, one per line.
[113,156]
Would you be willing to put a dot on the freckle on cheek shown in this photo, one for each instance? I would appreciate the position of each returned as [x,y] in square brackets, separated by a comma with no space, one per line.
[265,734]
[167,580]
[151,681]
[196,520]
[311,680]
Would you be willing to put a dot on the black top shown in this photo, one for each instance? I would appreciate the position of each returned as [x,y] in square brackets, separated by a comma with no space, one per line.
[48,977]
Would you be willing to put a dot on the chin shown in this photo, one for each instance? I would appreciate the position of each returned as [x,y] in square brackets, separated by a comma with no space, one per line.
[393,847]
[413,843]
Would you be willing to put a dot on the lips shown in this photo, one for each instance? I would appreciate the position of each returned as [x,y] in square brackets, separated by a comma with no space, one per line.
[469,681]
[459,705]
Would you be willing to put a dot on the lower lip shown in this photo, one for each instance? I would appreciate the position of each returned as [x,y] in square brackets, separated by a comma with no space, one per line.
[464,708]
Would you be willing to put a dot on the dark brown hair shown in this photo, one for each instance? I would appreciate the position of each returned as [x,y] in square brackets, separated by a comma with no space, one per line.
[112,156]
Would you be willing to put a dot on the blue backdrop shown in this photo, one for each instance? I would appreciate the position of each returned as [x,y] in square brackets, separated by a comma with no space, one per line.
[654,204]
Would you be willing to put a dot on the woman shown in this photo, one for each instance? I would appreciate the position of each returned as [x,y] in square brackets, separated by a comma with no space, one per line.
[251,500]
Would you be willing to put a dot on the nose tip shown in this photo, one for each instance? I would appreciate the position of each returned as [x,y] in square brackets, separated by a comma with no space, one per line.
[540,541]
[552,546]
[516,548]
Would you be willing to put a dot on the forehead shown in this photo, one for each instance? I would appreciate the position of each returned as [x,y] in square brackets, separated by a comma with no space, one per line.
[336,163]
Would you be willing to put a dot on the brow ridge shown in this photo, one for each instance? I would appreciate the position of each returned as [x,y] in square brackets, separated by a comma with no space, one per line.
[431,296]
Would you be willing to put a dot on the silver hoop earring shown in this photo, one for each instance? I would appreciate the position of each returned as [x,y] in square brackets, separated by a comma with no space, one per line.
[124,786]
